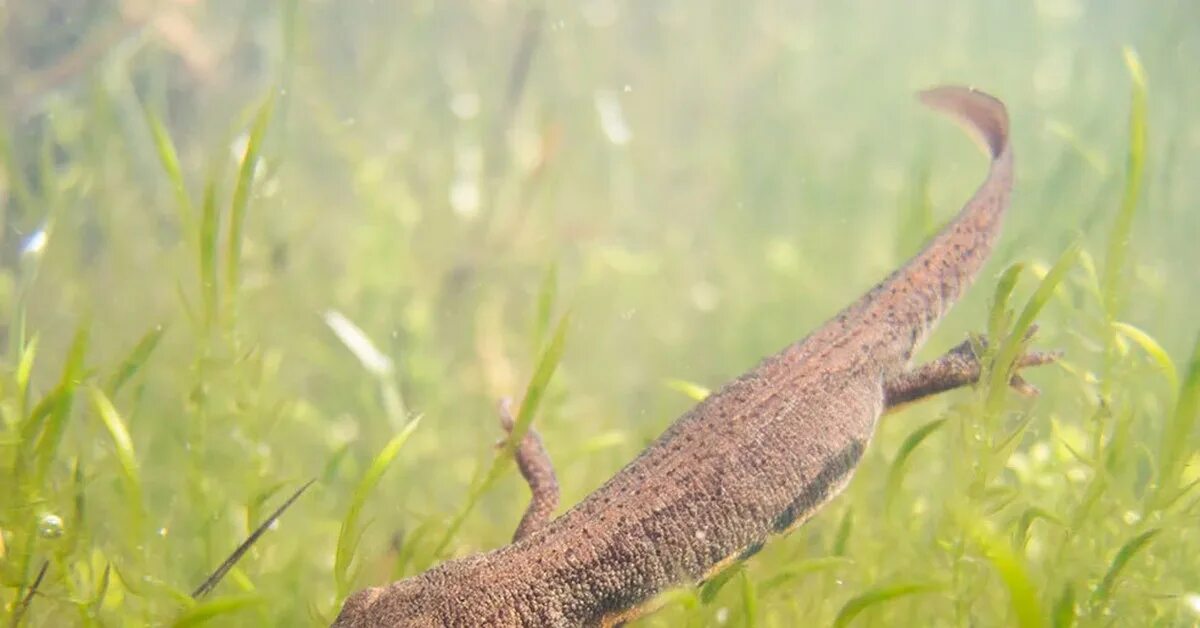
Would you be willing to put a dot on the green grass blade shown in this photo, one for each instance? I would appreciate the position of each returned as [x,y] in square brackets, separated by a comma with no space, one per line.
[896,469]
[1010,349]
[348,535]
[1091,277]
[329,471]
[1177,433]
[255,504]
[877,596]
[1095,490]
[803,568]
[101,590]
[1071,139]
[1027,518]
[691,390]
[31,426]
[208,236]
[1152,349]
[710,589]
[749,600]
[1118,564]
[1000,316]
[123,446]
[1118,241]
[136,359]
[1004,449]
[216,608]
[534,391]
[241,192]
[1064,608]
[25,371]
[547,294]
[148,586]
[1015,575]
[58,414]
[169,158]
[842,538]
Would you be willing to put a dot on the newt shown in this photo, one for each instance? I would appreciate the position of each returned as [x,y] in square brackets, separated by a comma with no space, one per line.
[753,460]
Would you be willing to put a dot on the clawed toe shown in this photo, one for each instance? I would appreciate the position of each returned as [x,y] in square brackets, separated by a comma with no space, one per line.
[1023,387]
[1031,358]
[1038,358]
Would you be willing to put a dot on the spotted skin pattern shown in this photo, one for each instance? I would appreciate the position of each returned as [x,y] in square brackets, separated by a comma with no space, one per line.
[753,460]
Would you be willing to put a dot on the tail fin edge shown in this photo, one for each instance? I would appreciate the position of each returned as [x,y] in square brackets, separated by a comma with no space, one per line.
[984,115]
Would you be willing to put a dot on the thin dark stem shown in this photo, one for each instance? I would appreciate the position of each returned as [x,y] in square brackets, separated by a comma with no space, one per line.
[19,611]
[211,582]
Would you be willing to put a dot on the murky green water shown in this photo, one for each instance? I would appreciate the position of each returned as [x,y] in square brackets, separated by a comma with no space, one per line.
[244,244]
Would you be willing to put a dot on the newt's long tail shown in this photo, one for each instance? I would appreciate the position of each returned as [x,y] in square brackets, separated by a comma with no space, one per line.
[916,296]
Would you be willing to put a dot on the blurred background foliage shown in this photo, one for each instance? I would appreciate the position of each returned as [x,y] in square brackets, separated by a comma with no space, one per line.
[244,244]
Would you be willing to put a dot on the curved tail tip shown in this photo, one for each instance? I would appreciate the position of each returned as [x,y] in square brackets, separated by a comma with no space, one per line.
[983,113]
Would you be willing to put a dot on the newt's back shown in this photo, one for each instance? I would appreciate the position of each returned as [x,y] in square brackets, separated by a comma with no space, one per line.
[751,461]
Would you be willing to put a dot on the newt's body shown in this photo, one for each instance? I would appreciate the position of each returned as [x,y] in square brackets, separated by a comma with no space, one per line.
[753,460]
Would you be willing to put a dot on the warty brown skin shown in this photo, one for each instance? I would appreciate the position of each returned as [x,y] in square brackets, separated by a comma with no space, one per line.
[755,459]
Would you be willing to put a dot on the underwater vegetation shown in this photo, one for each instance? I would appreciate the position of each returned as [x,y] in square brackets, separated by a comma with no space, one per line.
[251,252]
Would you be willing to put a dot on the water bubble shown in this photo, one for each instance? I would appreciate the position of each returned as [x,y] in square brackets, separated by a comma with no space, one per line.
[50,526]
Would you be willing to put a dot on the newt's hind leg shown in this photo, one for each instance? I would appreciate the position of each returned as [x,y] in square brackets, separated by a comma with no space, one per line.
[957,368]
[535,466]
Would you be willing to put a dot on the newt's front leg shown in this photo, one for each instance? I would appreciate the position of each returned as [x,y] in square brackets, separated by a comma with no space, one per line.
[957,368]
[535,466]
